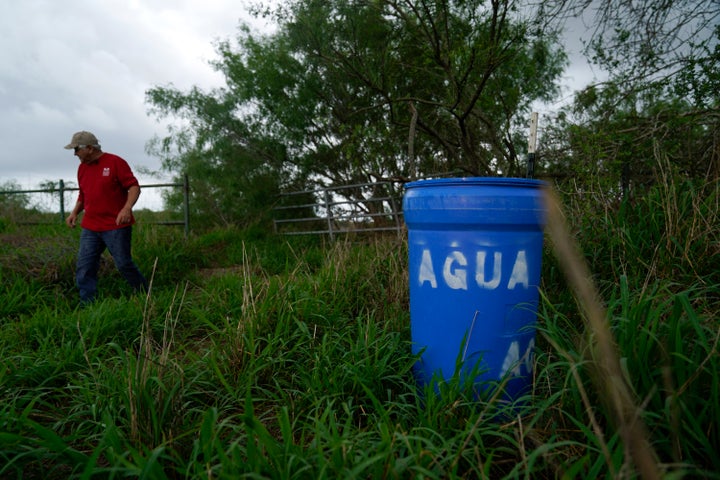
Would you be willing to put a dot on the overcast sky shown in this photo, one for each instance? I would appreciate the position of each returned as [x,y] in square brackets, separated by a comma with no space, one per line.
[85,65]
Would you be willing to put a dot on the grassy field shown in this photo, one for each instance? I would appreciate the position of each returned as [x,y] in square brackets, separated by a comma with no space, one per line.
[262,357]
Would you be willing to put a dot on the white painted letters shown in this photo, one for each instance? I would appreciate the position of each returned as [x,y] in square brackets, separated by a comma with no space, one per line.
[513,361]
[455,270]
[427,273]
[493,283]
[455,278]
[519,272]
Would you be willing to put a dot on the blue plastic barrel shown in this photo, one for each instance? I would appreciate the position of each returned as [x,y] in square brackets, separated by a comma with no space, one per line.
[475,253]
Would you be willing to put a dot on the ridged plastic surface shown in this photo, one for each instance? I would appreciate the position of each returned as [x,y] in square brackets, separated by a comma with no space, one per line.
[475,253]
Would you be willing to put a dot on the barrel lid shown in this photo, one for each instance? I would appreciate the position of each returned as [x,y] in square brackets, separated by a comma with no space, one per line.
[477,181]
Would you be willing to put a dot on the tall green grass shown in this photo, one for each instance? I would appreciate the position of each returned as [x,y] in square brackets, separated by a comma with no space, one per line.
[263,357]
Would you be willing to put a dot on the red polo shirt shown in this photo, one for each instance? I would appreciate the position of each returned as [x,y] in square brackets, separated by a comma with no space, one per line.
[103,191]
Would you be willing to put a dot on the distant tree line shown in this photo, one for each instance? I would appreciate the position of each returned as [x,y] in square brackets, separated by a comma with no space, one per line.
[345,92]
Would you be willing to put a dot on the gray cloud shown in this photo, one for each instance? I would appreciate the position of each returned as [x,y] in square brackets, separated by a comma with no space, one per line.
[86,64]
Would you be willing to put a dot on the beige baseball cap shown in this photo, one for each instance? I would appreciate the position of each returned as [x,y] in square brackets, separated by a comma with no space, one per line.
[82,138]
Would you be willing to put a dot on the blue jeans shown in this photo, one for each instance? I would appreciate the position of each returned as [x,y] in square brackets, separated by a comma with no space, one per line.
[92,245]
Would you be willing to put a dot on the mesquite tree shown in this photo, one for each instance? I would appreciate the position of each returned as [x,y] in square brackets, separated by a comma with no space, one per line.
[657,112]
[353,91]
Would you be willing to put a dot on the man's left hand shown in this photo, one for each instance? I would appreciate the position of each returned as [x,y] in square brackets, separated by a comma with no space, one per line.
[125,216]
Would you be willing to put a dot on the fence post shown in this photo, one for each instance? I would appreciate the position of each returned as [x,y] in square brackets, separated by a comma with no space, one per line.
[61,185]
[329,214]
[532,142]
[393,206]
[186,195]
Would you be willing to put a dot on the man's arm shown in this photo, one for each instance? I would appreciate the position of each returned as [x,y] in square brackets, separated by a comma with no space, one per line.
[71,220]
[125,214]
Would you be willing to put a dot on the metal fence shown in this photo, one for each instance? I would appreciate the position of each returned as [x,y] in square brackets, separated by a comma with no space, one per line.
[61,190]
[362,207]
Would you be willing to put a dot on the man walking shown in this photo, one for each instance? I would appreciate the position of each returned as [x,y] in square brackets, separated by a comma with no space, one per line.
[108,191]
